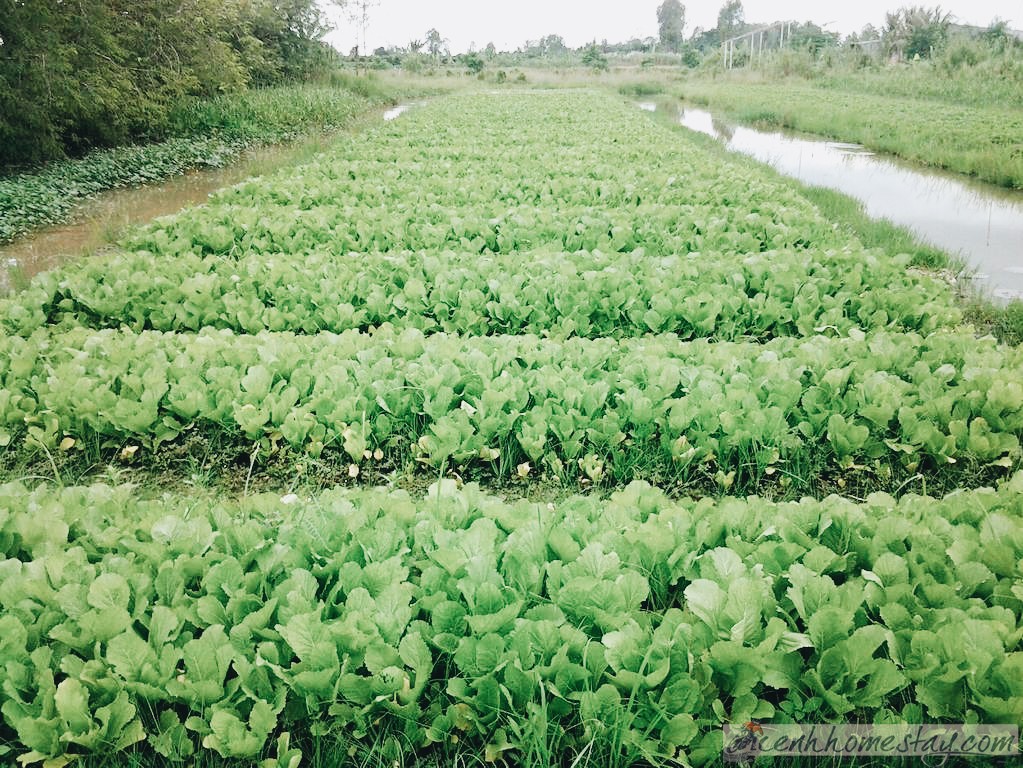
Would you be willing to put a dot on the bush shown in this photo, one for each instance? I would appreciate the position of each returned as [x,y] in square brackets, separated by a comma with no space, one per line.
[594,58]
[691,56]
[473,63]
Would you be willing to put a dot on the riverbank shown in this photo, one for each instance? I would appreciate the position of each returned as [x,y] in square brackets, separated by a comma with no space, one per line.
[985,142]
[208,134]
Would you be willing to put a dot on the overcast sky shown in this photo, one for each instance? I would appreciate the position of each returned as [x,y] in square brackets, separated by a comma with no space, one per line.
[508,24]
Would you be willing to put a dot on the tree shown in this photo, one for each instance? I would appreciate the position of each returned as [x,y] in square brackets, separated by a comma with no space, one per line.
[473,62]
[810,37]
[671,21]
[869,32]
[691,57]
[731,19]
[435,44]
[290,33]
[705,41]
[359,12]
[915,31]
[552,45]
[1000,38]
[102,72]
[593,58]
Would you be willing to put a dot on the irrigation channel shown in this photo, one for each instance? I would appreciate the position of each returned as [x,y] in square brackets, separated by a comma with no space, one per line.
[982,223]
[99,219]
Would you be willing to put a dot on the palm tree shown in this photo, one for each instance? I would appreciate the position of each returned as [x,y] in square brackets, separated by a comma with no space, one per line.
[915,31]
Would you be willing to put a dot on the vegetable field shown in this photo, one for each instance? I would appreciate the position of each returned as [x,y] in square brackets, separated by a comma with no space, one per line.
[544,295]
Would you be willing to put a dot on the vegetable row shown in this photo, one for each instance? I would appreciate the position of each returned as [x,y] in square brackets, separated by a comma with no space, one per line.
[590,294]
[635,624]
[245,228]
[618,408]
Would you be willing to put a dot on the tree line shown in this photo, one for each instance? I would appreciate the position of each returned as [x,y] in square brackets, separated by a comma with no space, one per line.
[89,73]
[908,32]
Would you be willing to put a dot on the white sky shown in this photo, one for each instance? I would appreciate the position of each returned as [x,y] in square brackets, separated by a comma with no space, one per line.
[508,24]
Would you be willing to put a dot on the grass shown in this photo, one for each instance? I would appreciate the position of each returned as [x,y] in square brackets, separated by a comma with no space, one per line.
[336,753]
[210,461]
[876,233]
[269,113]
[1005,322]
[965,72]
[984,142]
[995,82]
[627,80]
[641,89]
[542,749]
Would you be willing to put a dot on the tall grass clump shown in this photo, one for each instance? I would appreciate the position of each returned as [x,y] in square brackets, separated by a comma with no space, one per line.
[641,89]
[268,113]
